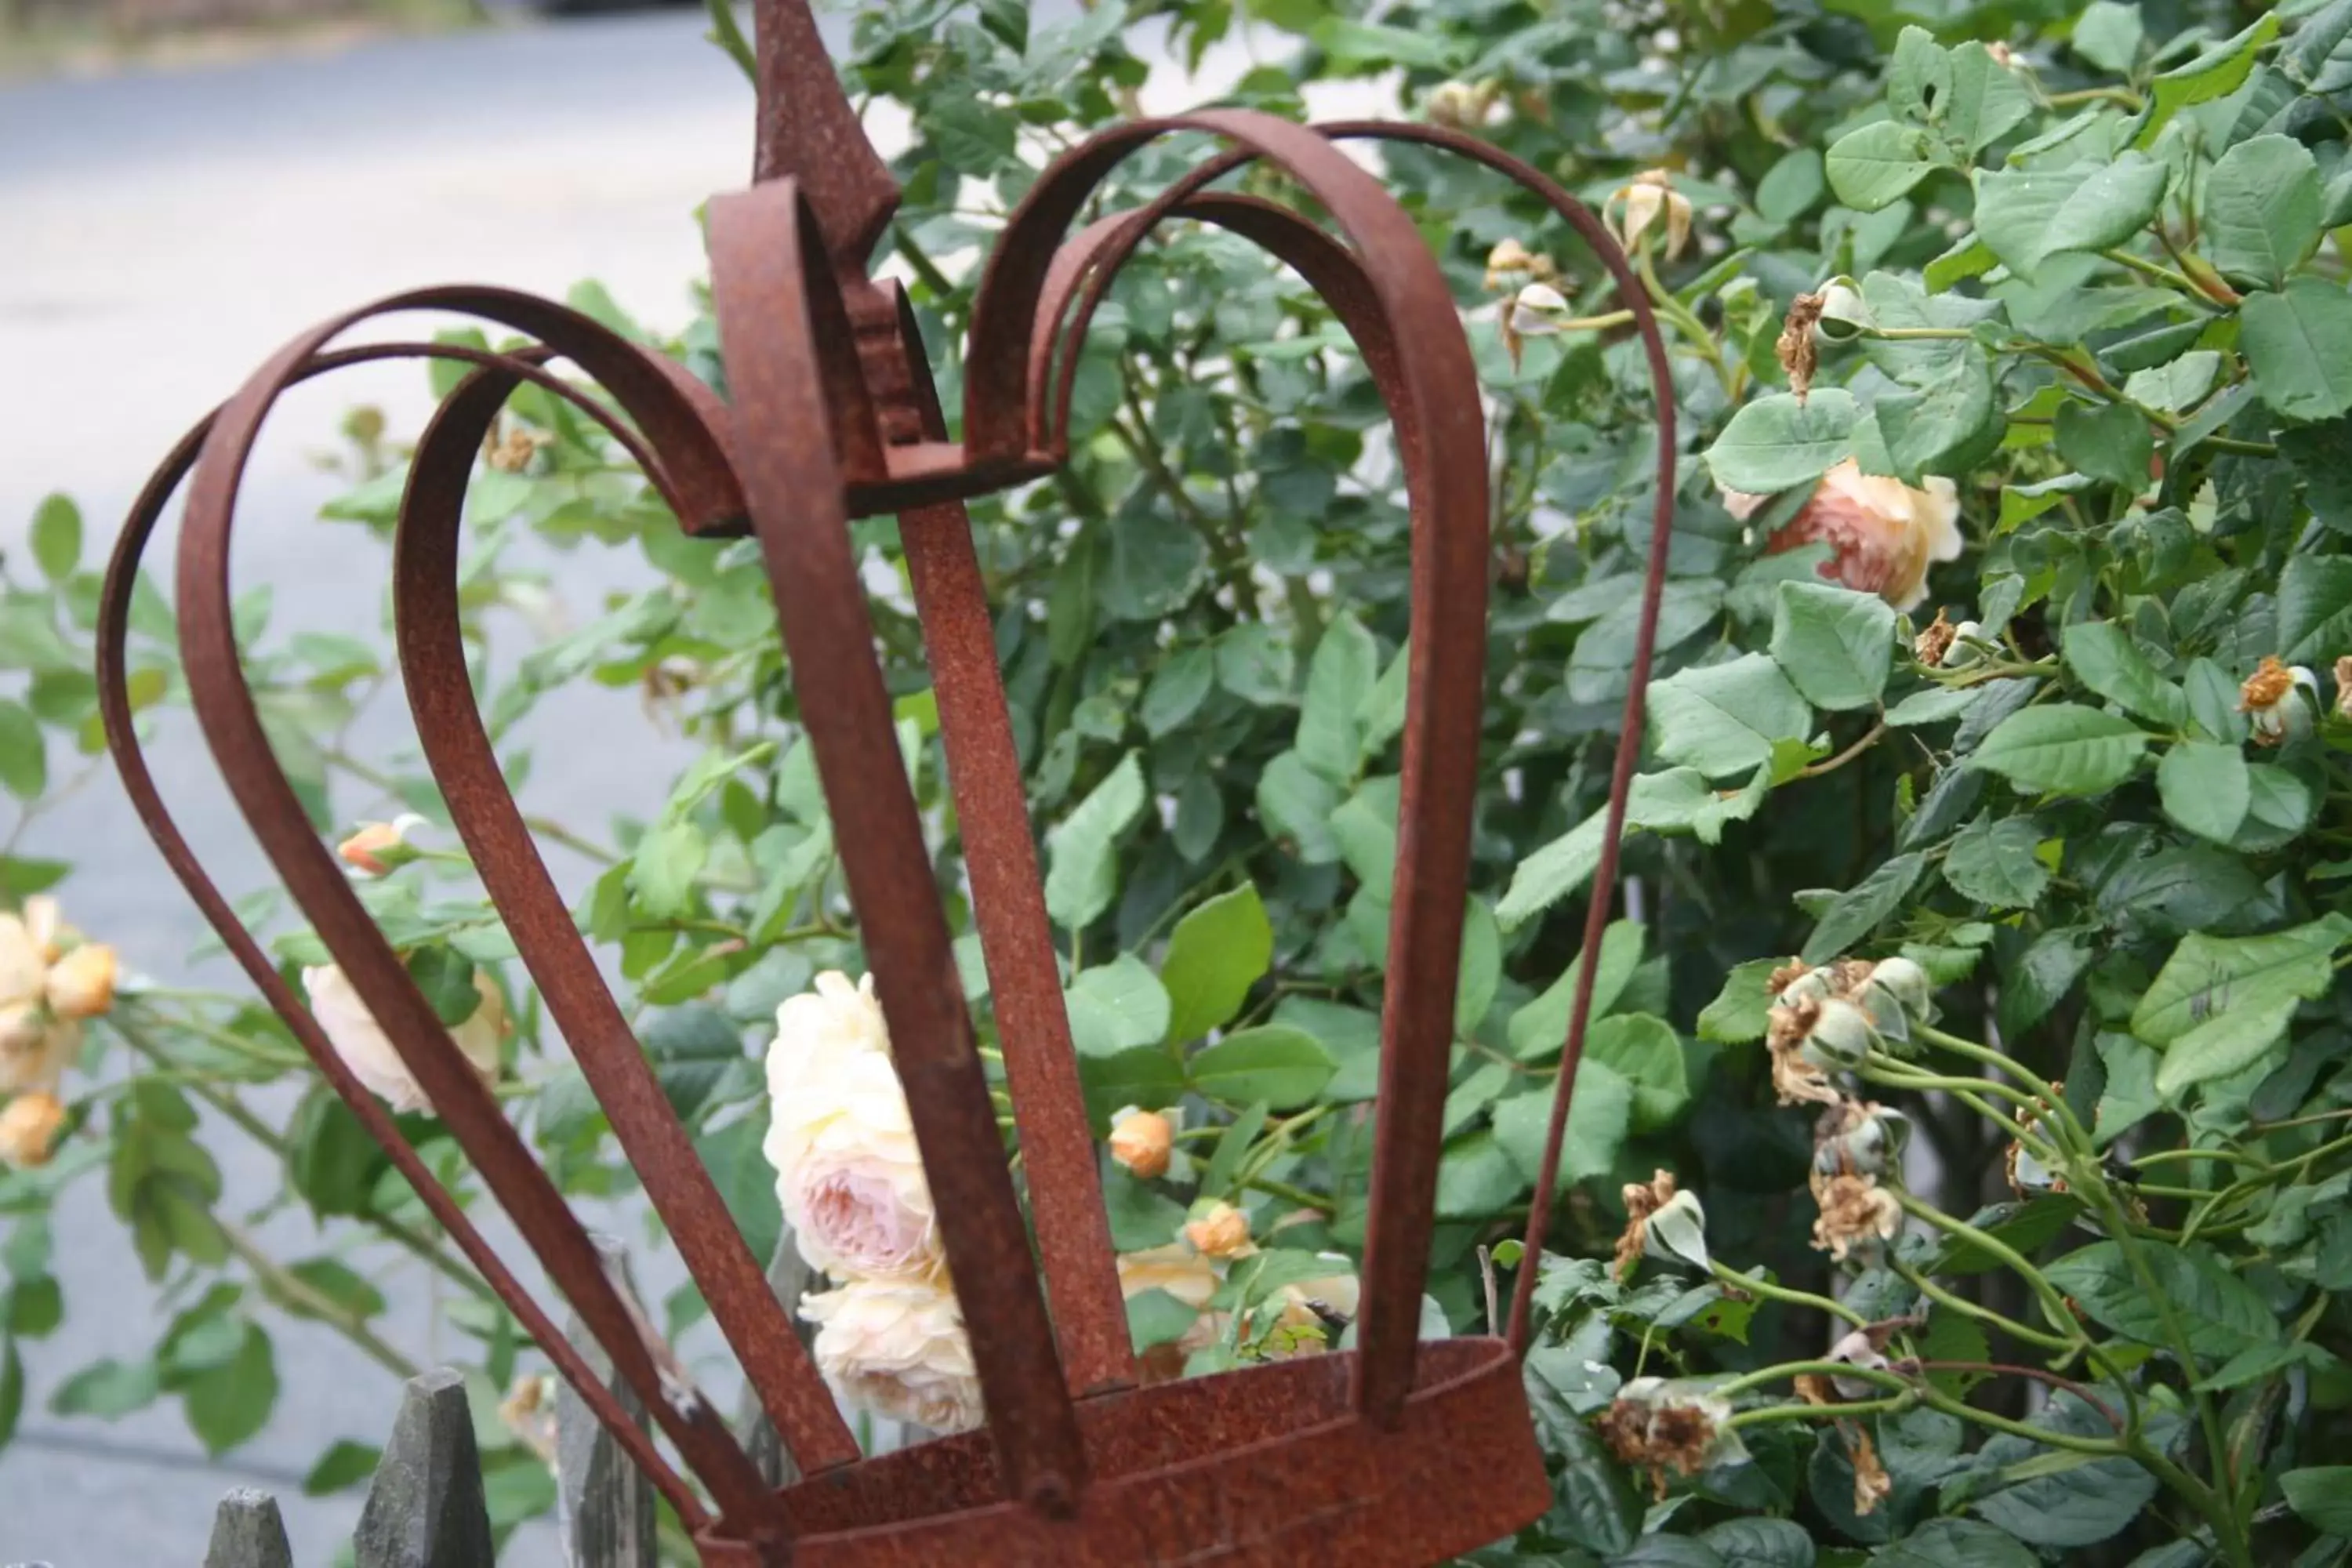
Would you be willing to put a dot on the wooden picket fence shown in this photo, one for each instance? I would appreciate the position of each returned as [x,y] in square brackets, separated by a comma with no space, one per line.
[426,1508]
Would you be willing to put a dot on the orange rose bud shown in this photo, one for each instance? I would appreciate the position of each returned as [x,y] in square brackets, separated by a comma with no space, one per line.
[1141,1140]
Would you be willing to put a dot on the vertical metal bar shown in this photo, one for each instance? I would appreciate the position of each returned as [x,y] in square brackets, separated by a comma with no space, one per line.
[1008,899]
[778,312]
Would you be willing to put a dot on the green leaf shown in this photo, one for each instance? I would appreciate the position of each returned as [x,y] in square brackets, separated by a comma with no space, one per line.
[1759,1543]
[1724,718]
[1776,442]
[1539,1030]
[2322,1497]
[1117,1006]
[1295,802]
[1857,911]
[2219,71]
[1741,1010]
[746,1181]
[1835,643]
[1475,1177]
[2107,34]
[1555,871]
[1648,1054]
[1340,678]
[2027,215]
[1597,1123]
[2218,1314]
[1996,864]
[1255,665]
[2104,657]
[2262,204]
[1953,1543]
[2176,386]
[1178,688]
[2224,1044]
[1145,1076]
[24,755]
[2319,56]
[446,976]
[2298,343]
[663,870]
[1918,77]
[2315,608]
[1281,1066]
[2064,1498]
[1791,187]
[2205,788]
[973,136]
[1217,952]
[2211,975]
[1876,165]
[331,1281]
[57,537]
[1156,1318]
[1481,966]
[1987,101]
[1082,873]
[2062,748]
[342,1467]
[228,1404]
[107,1389]
[2108,441]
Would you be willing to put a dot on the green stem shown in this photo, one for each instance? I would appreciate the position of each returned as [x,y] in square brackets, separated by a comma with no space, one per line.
[1784,1294]
[1983,1314]
[1891,1404]
[276,1279]
[2052,1304]
[1788,1370]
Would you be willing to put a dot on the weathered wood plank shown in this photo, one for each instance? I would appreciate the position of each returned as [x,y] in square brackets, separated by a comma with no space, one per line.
[604,1502]
[788,1276]
[248,1532]
[425,1509]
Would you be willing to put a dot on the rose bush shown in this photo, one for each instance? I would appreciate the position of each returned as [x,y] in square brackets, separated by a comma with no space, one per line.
[1959,1162]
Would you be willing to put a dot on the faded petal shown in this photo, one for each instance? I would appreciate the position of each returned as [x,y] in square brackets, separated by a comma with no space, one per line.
[368,1051]
[897,1348]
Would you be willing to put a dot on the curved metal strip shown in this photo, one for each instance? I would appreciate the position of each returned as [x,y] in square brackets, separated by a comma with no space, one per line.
[458,748]
[139,783]
[225,709]
[1101,260]
[1016,939]
[1447,488]
[769,276]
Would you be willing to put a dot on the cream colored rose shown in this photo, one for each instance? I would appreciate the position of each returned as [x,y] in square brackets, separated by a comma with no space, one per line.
[1882,533]
[35,1045]
[368,1051]
[897,1348]
[81,983]
[848,1171]
[1175,1269]
[28,1129]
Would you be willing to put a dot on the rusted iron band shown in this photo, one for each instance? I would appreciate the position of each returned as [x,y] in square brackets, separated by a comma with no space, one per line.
[130,759]
[1447,488]
[1016,941]
[225,711]
[808,131]
[769,279]
[428,626]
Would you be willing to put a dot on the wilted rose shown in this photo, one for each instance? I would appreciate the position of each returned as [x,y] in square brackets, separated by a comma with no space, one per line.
[897,1348]
[2274,700]
[1856,1213]
[848,1171]
[368,1051]
[1650,198]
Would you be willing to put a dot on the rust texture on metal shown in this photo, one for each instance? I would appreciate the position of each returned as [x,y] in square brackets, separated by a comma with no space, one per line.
[1399,1451]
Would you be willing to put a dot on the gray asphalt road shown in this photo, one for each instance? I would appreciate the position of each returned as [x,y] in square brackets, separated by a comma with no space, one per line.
[158,234]
[164,232]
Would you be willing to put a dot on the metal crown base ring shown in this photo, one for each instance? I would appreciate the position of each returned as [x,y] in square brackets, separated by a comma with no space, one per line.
[1269,1465]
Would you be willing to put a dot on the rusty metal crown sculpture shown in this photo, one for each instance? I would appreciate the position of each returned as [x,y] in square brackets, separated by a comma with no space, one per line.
[1398,1451]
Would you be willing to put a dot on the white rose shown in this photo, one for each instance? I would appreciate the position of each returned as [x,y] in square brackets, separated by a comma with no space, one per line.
[357,1038]
[897,1348]
[848,1171]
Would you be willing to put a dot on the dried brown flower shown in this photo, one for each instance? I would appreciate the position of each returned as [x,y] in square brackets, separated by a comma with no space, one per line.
[1931,645]
[1650,1426]
[1871,1481]
[1799,354]
[1856,1211]
[2267,686]
[1642,1201]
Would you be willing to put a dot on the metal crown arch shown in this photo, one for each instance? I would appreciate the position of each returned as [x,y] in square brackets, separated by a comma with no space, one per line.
[1398,1451]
